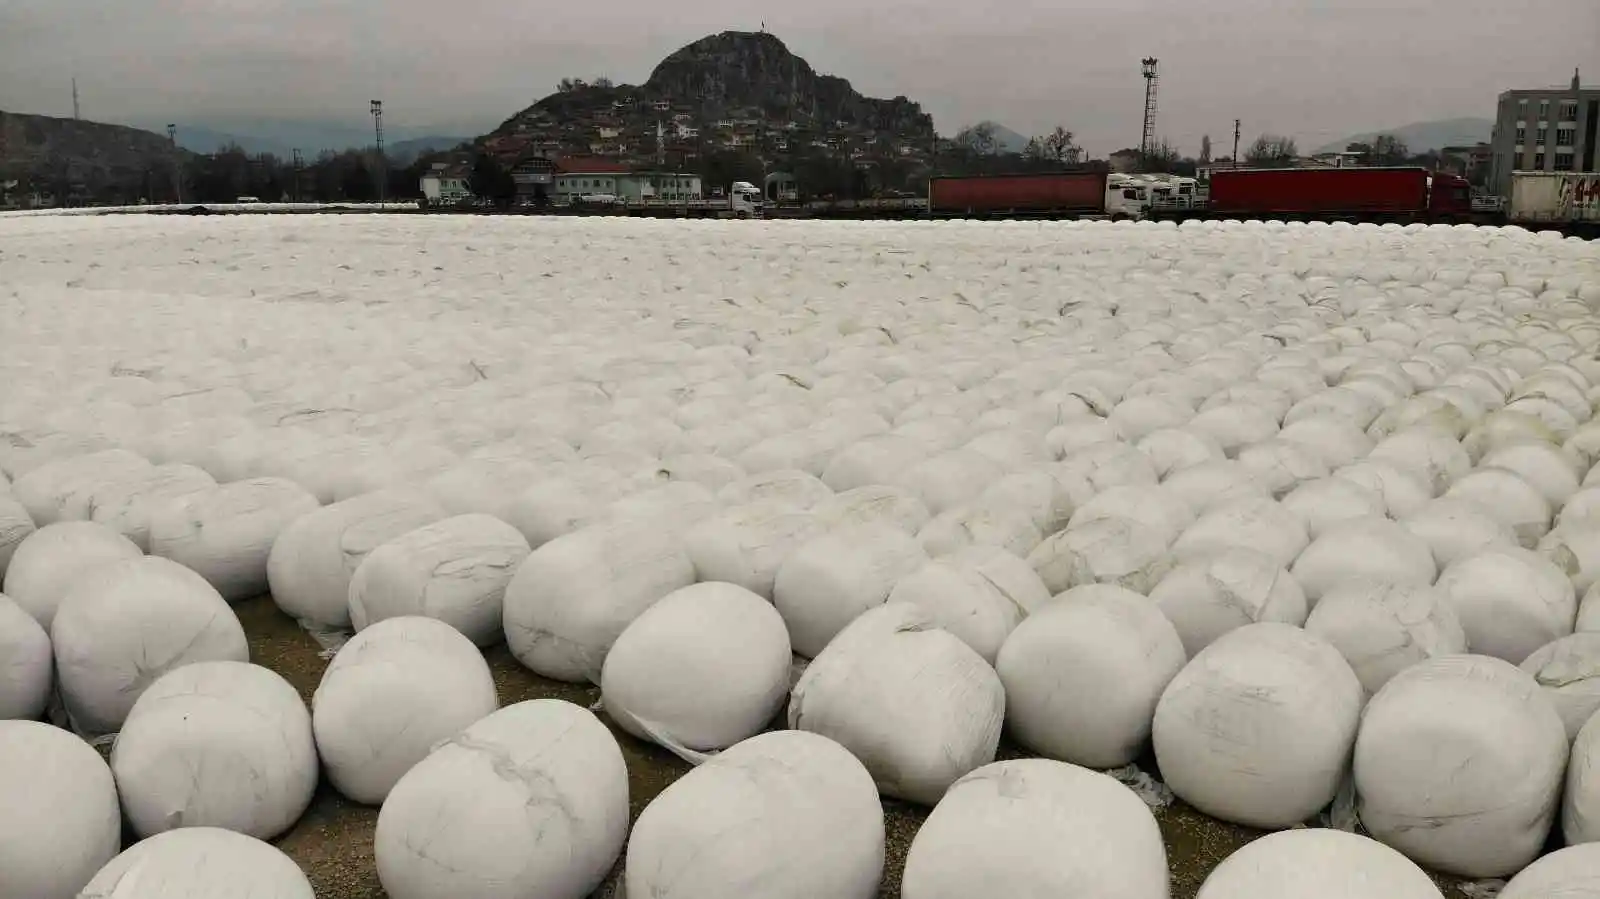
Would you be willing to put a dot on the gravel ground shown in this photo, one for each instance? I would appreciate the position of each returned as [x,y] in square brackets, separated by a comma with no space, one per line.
[333,841]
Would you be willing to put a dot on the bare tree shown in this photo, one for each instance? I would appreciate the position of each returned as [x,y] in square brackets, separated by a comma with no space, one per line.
[1272,151]
[1161,157]
[1388,149]
[1205,149]
[981,139]
[1060,146]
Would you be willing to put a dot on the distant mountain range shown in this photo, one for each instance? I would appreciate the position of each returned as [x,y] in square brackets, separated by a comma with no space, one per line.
[1421,137]
[282,137]
[1010,141]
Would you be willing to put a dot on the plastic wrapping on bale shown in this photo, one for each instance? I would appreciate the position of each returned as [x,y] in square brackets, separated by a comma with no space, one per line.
[981,524]
[126,505]
[1116,551]
[390,694]
[49,491]
[199,863]
[572,498]
[1544,466]
[1148,504]
[1035,827]
[1258,524]
[1459,765]
[891,505]
[226,535]
[15,526]
[978,594]
[1456,528]
[700,670]
[316,555]
[789,810]
[1570,873]
[572,597]
[675,506]
[455,570]
[790,487]
[26,663]
[830,580]
[1083,674]
[1427,452]
[1510,601]
[123,626]
[50,560]
[747,545]
[917,705]
[1363,549]
[1212,484]
[1257,728]
[951,479]
[1569,671]
[1316,863]
[1219,593]
[1383,629]
[216,744]
[60,822]
[1580,803]
[531,800]
[1403,490]
[1511,500]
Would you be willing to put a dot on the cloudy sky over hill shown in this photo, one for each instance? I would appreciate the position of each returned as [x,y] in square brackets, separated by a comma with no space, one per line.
[1315,69]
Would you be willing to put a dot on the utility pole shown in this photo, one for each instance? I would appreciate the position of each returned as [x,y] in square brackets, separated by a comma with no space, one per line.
[1148,139]
[377,127]
[298,162]
[76,113]
[1235,143]
[177,166]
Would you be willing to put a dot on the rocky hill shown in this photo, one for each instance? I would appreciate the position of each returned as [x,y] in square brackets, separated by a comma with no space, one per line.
[736,90]
[83,159]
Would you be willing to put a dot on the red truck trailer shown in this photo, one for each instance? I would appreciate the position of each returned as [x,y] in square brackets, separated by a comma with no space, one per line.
[1053,194]
[1359,194]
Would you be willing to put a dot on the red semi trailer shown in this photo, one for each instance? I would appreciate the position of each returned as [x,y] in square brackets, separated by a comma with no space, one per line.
[1357,194]
[1052,194]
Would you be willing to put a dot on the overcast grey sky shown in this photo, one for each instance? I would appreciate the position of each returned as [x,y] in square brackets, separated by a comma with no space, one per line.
[1315,69]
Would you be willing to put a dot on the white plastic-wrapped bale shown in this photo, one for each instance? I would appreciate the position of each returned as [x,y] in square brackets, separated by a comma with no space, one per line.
[529,801]
[15,526]
[915,704]
[1544,466]
[1047,494]
[573,597]
[1083,675]
[891,505]
[1257,728]
[704,668]
[126,505]
[60,822]
[1335,440]
[1576,551]
[1148,504]
[59,490]
[26,663]
[195,862]
[1570,873]
[1569,671]
[1428,452]
[1511,500]
[1504,427]
[316,555]
[123,626]
[789,810]
[951,478]
[1363,549]
[675,505]
[1282,465]
[1257,523]
[1403,490]
[1511,601]
[880,459]
[1174,449]
[1233,427]
[1456,528]
[226,535]
[1210,596]
[978,594]
[1035,827]
[747,545]
[982,523]
[1383,629]
[455,570]
[790,487]
[1212,484]
[50,560]
[1580,803]
[389,695]
[1109,464]
[705,469]
[574,497]
[1118,551]
[216,744]
[1317,863]
[1459,765]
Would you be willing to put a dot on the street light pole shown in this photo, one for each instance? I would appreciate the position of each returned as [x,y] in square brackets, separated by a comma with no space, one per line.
[377,127]
[177,168]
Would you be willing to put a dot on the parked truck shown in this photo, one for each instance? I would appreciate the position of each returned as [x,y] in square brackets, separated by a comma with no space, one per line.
[1568,201]
[1041,195]
[1403,194]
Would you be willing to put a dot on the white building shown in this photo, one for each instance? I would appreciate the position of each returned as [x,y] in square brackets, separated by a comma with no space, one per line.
[447,184]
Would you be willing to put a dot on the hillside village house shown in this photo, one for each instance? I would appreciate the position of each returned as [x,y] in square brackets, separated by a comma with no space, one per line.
[567,179]
[447,183]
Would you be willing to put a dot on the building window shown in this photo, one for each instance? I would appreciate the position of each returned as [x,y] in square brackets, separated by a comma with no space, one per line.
[1538,162]
[1544,109]
[1563,162]
[1569,111]
[1565,136]
[1522,132]
[1539,135]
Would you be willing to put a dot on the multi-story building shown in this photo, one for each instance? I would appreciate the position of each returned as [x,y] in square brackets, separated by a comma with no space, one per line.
[1545,130]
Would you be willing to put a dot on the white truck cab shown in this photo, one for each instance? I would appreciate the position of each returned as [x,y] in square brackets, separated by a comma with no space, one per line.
[1127,197]
[745,200]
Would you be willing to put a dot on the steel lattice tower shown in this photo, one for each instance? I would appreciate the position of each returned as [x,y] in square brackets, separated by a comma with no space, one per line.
[377,127]
[1147,141]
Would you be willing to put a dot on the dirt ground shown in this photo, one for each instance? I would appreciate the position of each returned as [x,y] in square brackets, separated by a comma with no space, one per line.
[333,841]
